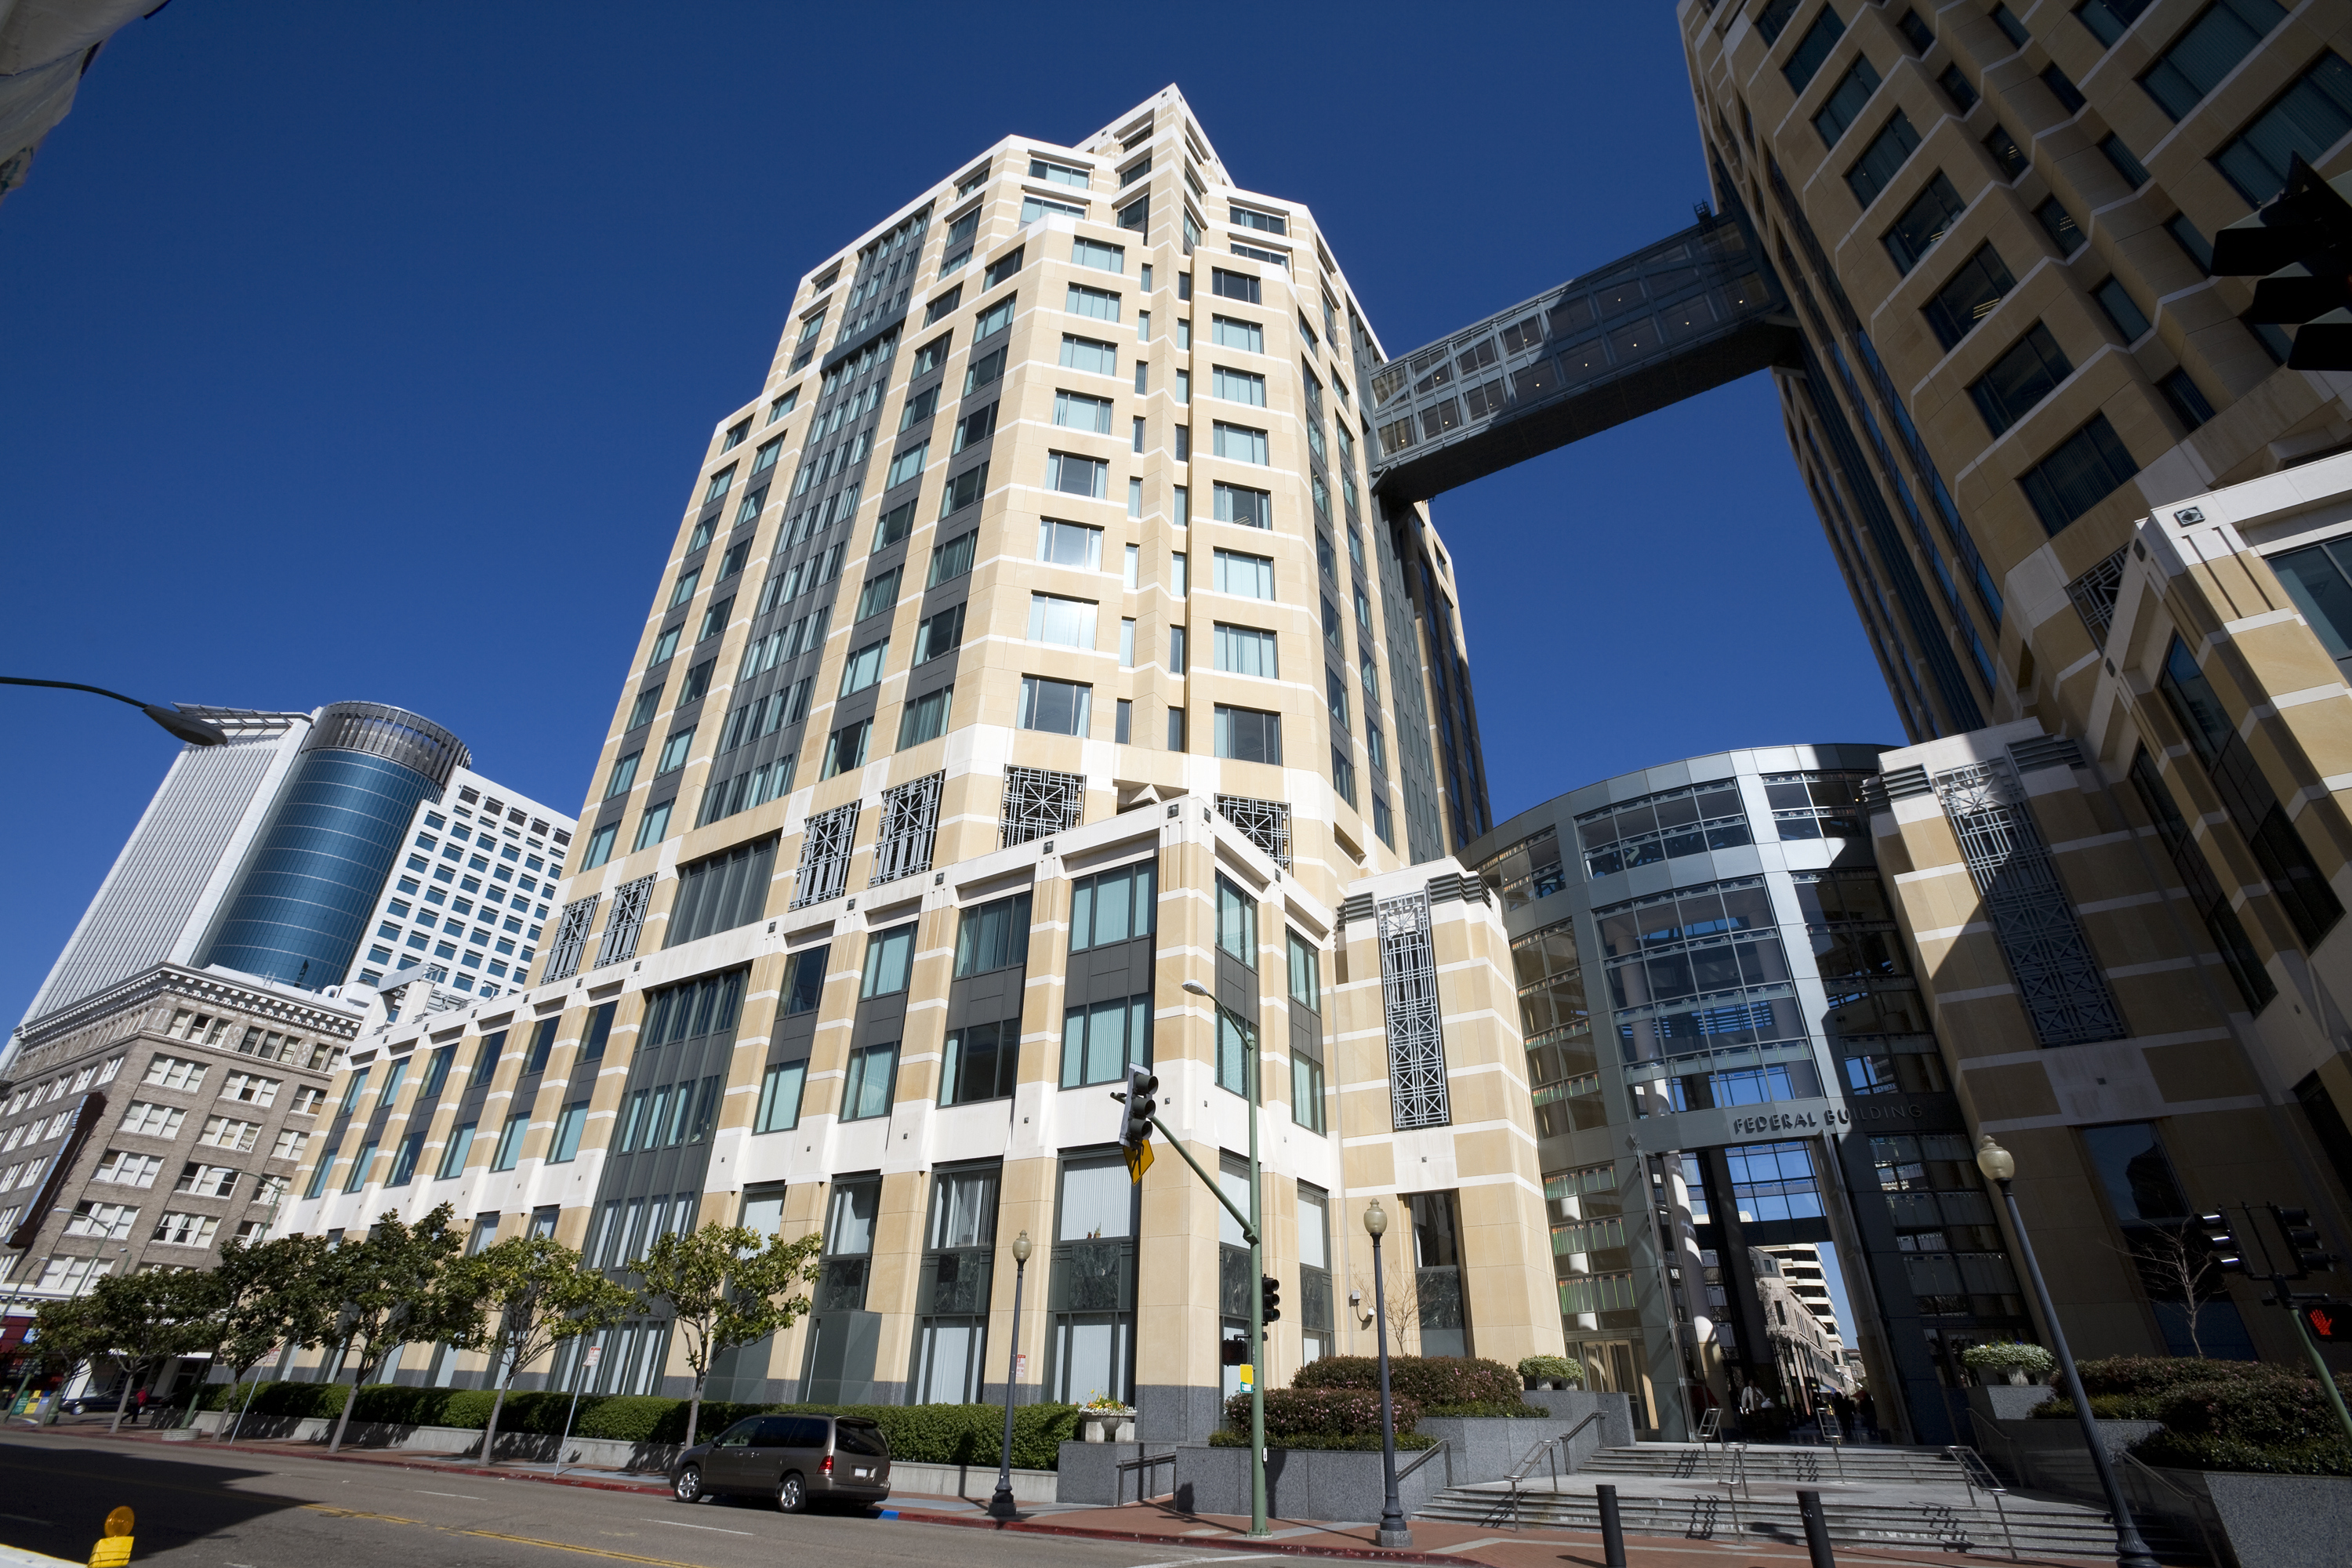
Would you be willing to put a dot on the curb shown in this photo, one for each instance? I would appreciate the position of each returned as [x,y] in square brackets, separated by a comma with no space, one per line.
[1245,1545]
[443,1469]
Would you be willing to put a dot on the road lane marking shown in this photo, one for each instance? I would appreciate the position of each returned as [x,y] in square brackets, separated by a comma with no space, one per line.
[1220,1557]
[25,1518]
[498,1535]
[682,1524]
[467,1496]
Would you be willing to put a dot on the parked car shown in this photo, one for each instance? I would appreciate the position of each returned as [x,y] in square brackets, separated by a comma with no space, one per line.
[796,1459]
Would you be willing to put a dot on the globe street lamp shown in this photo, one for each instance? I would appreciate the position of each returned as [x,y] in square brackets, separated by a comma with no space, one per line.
[2131,1551]
[1392,1528]
[181,726]
[1000,1506]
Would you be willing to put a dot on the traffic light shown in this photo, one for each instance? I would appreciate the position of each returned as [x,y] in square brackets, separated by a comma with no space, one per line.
[2327,1320]
[2301,246]
[1269,1296]
[1233,1352]
[2303,1242]
[2219,1244]
[1135,1131]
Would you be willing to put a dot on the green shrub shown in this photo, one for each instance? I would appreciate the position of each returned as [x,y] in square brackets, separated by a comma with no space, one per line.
[2182,1451]
[2160,1375]
[2105,1408]
[298,1400]
[1321,1412]
[1351,1442]
[1551,1369]
[1433,1381]
[964,1434]
[1517,1409]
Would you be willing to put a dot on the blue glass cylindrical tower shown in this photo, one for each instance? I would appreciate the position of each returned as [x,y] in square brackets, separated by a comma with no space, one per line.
[301,903]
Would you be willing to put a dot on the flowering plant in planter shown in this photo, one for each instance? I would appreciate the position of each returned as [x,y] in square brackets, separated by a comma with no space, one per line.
[2020,1364]
[1551,1372]
[1104,1405]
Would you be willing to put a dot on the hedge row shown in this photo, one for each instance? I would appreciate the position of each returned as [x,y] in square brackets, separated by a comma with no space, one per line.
[2217,1415]
[1346,1442]
[1292,1413]
[920,1434]
[1441,1386]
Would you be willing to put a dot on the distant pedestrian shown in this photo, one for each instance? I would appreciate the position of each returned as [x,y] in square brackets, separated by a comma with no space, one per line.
[138,1406]
[1865,1410]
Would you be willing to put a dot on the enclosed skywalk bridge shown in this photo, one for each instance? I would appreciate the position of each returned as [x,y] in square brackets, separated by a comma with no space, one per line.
[1674,318]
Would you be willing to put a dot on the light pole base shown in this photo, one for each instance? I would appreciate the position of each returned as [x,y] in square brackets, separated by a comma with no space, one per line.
[1001,1505]
[1393,1538]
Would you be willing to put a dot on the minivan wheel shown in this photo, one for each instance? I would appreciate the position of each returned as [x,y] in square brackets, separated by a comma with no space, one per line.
[687,1488]
[792,1495]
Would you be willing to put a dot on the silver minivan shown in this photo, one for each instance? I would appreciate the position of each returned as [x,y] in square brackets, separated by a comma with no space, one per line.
[794,1460]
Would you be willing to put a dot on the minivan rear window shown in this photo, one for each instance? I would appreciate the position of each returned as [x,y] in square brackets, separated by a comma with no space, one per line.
[857,1437]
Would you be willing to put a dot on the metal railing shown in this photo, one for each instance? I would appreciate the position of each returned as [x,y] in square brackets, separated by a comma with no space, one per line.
[1446,1447]
[1552,1447]
[1142,1485]
[1981,1479]
[2200,1510]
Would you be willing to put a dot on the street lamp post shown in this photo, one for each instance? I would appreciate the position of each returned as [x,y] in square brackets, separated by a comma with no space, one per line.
[1392,1526]
[2131,1551]
[1000,1506]
[181,726]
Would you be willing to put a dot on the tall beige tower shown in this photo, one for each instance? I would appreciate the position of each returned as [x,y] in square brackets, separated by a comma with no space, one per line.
[1031,650]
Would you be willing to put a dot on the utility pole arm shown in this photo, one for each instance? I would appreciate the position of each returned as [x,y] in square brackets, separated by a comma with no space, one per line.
[1249,1231]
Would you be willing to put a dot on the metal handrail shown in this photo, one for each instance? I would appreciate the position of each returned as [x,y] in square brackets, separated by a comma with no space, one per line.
[1554,1447]
[2198,1507]
[1979,1477]
[1444,1446]
[1145,1462]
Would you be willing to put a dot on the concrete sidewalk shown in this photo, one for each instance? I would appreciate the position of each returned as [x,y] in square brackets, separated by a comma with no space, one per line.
[1437,1542]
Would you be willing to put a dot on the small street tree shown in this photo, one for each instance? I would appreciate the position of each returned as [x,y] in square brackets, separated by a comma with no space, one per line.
[67,1334]
[534,1293]
[389,1288]
[728,1287]
[145,1320]
[261,1295]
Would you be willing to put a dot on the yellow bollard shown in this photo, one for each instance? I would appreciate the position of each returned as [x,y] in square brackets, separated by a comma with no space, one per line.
[113,1548]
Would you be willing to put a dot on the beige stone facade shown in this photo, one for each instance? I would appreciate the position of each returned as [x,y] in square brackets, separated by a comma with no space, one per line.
[839,951]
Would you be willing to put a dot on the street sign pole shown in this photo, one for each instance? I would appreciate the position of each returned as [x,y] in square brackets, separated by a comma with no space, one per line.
[587,1364]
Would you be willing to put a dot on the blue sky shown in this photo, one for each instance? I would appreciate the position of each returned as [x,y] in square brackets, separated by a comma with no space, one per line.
[354,350]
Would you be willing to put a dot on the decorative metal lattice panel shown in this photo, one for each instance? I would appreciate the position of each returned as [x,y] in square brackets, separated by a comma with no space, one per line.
[571,938]
[2058,979]
[1265,823]
[1037,803]
[627,919]
[825,855]
[1417,1092]
[910,825]
[2094,595]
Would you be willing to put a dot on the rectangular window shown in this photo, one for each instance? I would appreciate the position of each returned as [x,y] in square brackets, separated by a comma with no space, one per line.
[2058,225]
[1957,87]
[845,748]
[925,718]
[652,828]
[2188,404]
[1095,254]
[2309,118]
[1245,576]
[879,593]
[2185,235]
[907,465]
[1113,905]
[2021,378]
[1055,707]
[2120,156]
[1070,474]
[1070,622]
[1245,651]
[1844,104]
[1234,503]
[863,668]
[453,1154]
[1004,267]
[1930,214]
[1974,291]
[963,490]
[2108,20]
[940,634]
[1248,735]
[569,1121]
[1090,354]
[1123,722]
[889,961]
[1101,1041]
[1177,663]
[953,559]
[944,305]
[1099,303]
[873,1072]
[1240,443]
[1812,49]
[2206,51]
[992,936]
[2079,473]
[673,752]
[1069,544]
[2062,87]
[1076,411]
[1227,332]
[2006,152]
[1235,285]
[982,1062]
[1236,1047]
[780,1098]
[1888,152]
[1238,385]
[2122,309]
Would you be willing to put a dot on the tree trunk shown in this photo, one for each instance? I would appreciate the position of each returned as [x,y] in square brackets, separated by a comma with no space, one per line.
[490,1435]
[694,1408]
[128,1378]
[344,1419]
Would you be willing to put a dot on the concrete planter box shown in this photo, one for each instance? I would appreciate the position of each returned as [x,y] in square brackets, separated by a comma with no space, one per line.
[2044,1435]
[1300,1483]
[2272,1521]
[2005,1402]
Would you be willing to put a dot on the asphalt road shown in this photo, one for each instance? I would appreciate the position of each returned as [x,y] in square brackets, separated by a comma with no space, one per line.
[221,1510]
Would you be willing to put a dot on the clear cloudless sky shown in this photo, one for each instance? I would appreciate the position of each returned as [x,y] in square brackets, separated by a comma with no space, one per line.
[369,351]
